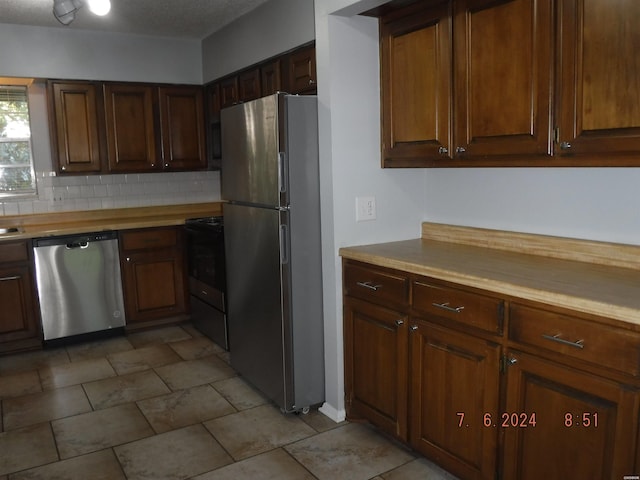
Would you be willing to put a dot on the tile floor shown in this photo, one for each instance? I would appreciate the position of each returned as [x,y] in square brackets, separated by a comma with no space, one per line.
[165,404]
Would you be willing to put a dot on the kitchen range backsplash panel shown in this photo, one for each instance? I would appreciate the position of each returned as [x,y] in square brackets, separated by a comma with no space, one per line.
[95,192]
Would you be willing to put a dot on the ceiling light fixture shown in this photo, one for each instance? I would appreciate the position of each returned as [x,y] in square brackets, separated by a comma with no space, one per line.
[65,10]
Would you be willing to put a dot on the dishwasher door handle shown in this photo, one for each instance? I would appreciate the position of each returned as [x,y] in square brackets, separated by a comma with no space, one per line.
[71,246]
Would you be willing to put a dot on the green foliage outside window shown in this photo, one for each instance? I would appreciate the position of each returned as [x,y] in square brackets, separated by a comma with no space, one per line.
[16,165]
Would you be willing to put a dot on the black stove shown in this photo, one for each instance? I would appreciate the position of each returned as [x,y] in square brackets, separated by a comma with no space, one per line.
[207,277]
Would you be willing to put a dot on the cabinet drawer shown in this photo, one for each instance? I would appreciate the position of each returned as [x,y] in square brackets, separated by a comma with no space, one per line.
[472,309]
[147,239]
[14,252]
[576,337]
[376,285]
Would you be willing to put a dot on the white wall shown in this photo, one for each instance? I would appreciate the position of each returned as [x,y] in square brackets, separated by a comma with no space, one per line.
[590,203]
[76,54]
[273,28]
[349,124]
[73,54]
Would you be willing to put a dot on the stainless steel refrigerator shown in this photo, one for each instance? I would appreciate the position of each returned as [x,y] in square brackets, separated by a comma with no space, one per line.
[272,245]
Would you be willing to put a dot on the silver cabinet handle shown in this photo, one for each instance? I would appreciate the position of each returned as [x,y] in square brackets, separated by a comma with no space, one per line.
[443,150]
[414,328]
[399,323]
[369,285]
[460,150]
[556,338]
[565,145]
[445,306]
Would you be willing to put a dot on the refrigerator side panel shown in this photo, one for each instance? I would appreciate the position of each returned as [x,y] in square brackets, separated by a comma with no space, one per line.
[305,250]
[252,244]
[250,161]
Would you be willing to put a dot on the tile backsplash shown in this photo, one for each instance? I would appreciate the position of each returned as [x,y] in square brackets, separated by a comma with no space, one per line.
[94,192]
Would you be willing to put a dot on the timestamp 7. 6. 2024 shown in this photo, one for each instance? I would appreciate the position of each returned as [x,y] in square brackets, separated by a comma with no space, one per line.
[504,420]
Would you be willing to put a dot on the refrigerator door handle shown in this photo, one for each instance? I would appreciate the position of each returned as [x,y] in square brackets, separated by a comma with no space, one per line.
[282,172]
[284,245]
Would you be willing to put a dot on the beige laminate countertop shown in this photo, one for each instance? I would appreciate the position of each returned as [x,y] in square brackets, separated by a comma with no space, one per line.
[66,223]
[609,291]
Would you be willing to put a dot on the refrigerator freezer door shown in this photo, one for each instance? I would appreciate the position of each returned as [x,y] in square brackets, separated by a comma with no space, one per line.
[253,171]
[257,313]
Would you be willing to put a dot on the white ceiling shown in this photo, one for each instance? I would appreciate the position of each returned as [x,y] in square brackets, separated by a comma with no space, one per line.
[194,19]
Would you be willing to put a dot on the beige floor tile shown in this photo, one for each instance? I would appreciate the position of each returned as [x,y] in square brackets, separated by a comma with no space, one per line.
[32,360]
[274,465]
[184,407]
[74,373]
[142,358]
[26,448]
[257,430]
[157,336]
[42,407]
[19,384]
[239,393]
[319,421]
[195,372]
[124,389]
[102,465]
[419,469]
[191,330]
[99,348]
[195,348]
[95,431]
[179,454]
[352,448]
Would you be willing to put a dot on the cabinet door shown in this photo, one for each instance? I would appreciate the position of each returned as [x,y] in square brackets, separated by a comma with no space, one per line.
[503,65]
[302,71]
[455,383]
[415,56]
[599,79]
[18,318]
[270,78]
[229,92]
[153,269]
[249,85]
[75,127]
[376,355]
[129,112]
[182,128]
[585,425]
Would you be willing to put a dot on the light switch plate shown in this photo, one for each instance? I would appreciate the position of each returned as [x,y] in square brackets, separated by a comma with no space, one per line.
[365,209]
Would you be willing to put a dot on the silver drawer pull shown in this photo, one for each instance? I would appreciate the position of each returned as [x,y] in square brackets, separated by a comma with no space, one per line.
[445,306]
[557,338]
[369,285]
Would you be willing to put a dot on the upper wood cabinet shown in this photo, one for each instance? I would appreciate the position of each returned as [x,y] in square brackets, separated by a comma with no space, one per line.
[271,77]
[131,134]
[75,126]
[510,83]
[465,81]
[182,128]
[302,71]
[598,81]
[249,85]
[108,127]
[229,92]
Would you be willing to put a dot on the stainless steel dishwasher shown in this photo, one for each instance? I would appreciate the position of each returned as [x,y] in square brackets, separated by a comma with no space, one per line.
[79,284]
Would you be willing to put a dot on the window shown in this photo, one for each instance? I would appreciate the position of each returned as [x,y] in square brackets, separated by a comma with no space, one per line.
[16,161]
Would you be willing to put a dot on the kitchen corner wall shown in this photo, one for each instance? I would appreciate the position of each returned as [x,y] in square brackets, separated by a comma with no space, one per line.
[75,54]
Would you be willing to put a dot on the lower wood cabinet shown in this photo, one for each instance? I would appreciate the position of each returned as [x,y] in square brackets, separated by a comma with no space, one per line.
[19,319]
[376,361]
[489,386]
[585,425]
[454,393]
[154,276]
